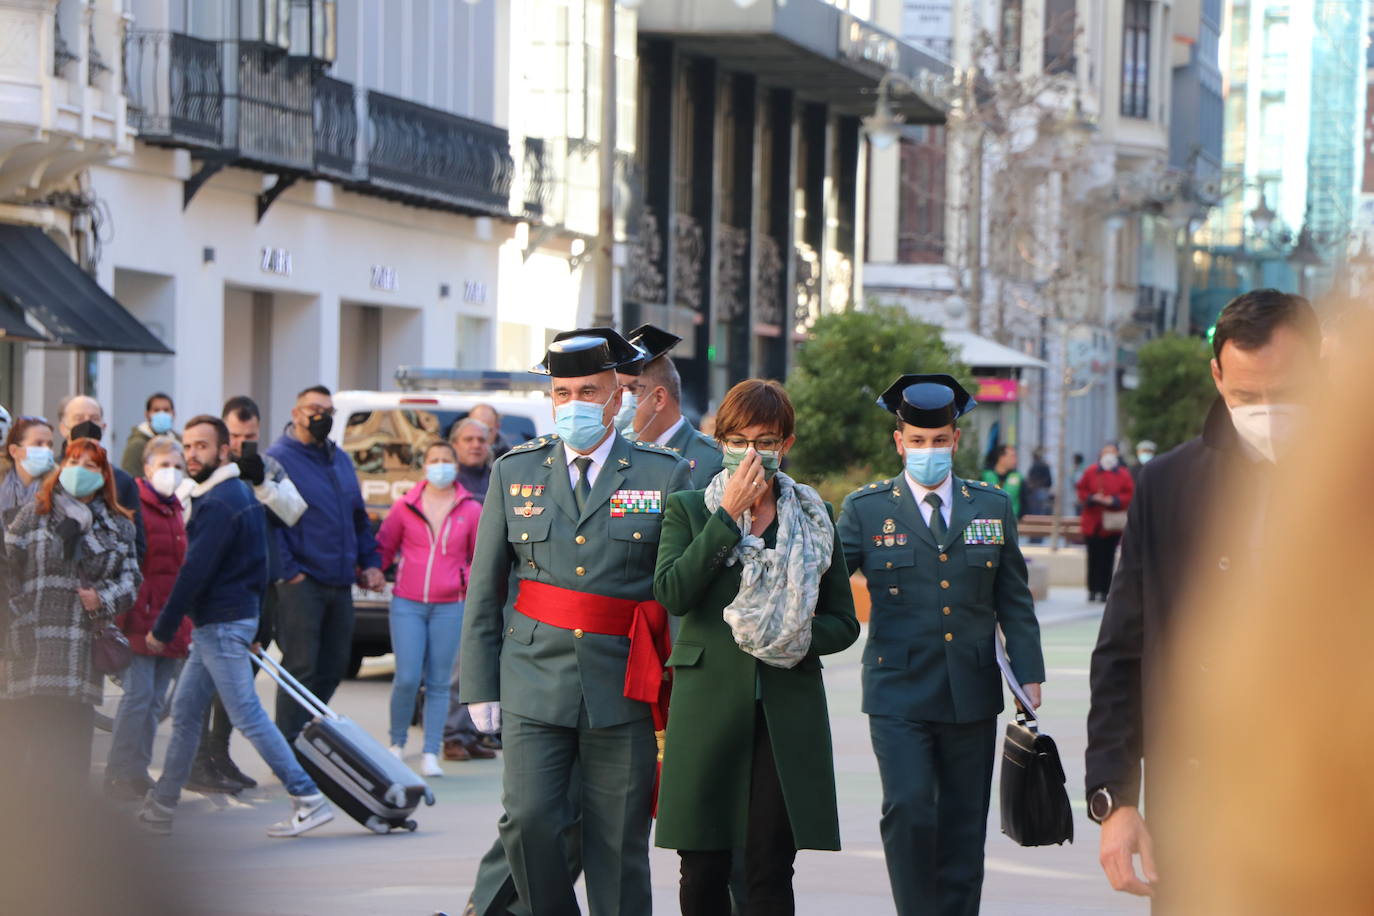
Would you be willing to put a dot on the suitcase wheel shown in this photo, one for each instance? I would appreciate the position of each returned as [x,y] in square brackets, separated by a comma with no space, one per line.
[377,825]
[411,826]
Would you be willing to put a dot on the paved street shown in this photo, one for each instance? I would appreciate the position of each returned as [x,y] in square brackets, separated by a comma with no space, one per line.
[220,847]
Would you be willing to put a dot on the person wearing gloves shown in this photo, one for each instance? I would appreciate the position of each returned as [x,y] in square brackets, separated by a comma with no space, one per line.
[220,587]
[148,678]
[753,567]
[159,415]
[430,534]
[1105,490]
[28,446]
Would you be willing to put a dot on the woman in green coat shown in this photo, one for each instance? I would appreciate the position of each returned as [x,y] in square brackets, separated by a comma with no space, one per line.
[753,566]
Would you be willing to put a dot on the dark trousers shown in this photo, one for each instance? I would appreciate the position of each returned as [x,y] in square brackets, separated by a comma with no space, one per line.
[315,633]
[769,852]
[1101,561]
[937,785]
[45,744]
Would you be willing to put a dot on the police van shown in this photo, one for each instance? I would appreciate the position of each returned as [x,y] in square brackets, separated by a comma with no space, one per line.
[385,434]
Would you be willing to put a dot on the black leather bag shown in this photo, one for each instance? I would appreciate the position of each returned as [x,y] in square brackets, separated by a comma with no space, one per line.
[1034,801]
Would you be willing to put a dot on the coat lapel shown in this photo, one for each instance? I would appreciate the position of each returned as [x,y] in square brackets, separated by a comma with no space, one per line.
[557,484]
[608,479]
[962,512]
[905,508]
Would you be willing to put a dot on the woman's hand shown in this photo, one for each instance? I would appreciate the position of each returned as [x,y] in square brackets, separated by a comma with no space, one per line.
[745,486]
[89,599]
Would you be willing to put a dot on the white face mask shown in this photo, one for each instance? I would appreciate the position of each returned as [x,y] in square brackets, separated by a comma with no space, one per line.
[1265,428]
[166,480]
[1109,461]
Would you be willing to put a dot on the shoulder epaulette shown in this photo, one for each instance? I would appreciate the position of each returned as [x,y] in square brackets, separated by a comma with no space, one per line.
[656,448]
[990,489]
[879,486]
[533,445]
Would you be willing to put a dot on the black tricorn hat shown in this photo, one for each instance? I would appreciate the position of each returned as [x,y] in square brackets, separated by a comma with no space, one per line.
[654,341]
[587,351]
[927,401]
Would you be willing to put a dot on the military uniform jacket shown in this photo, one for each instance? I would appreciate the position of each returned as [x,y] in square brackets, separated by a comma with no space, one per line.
[530,525]
[701,451]
[930,654]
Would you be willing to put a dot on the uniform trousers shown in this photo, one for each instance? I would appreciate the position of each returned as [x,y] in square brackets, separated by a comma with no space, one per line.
[937,786]
[617,767]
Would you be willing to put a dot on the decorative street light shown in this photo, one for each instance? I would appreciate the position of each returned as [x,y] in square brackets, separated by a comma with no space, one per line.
[1262,218]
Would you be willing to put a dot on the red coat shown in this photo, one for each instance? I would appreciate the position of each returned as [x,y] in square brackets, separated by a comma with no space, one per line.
[1116,484]
[166,552]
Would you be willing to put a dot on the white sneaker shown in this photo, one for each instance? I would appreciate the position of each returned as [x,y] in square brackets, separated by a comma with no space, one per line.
[429,765]
[398,752]
[307,813]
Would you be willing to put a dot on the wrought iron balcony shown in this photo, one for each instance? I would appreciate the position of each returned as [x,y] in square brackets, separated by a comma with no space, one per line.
[276,108]
[432,157]
[175,87]
[336,128]
[540,178]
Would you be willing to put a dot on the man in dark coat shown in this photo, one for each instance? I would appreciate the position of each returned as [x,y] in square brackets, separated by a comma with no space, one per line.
[1266,345]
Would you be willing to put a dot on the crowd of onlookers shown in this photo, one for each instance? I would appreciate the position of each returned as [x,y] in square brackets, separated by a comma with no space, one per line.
[199,537]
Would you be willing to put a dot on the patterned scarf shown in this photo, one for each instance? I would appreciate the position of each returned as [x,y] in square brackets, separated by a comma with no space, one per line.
[771,614]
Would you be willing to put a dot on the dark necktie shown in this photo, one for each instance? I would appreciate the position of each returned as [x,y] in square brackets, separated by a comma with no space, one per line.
[583,490]
[937,520]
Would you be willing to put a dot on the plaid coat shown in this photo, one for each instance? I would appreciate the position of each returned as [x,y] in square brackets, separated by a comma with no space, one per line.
[50,633]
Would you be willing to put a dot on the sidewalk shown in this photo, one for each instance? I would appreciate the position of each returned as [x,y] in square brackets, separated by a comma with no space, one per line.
[220,847]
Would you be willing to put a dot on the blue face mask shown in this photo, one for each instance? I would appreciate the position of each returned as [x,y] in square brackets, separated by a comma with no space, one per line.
[80,482]
[929,466]
[441,475]
[37,460]
[625,418]
[580,424]
[161,422]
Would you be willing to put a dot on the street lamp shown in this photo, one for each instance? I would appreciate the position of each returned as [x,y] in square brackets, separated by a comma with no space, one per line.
[1262,218]
[884,124]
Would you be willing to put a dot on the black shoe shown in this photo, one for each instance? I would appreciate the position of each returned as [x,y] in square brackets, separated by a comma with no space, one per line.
[229,770]
[490,742]
[207,780]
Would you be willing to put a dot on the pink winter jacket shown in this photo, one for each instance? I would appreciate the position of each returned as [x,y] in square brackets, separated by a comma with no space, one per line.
[432,569]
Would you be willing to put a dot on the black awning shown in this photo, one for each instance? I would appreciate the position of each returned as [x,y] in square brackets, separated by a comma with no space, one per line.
[63,301]
[13,326]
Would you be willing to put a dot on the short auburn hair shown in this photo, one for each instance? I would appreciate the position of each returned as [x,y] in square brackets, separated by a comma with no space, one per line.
[755,402]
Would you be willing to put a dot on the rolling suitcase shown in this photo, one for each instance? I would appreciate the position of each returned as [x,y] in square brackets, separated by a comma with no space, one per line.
[350,766]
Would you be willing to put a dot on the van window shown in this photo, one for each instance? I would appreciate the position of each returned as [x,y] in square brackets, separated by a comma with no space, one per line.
[387,448]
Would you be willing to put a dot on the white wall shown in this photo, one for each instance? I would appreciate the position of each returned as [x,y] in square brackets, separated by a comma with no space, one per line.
[151,298]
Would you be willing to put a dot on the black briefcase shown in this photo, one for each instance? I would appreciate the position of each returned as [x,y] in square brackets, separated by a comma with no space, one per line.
[1035,804]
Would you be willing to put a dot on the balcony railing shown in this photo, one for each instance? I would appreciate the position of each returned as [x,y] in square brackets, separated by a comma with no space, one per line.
[175,87]
[276,108]
[336,128]
[540,178]
[432,156]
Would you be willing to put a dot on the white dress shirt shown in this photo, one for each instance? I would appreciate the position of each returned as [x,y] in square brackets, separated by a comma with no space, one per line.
[670,432]
[598,456]
[945,491]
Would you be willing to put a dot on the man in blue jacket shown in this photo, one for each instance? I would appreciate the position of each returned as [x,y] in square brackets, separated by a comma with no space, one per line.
[321,557]
[221,587]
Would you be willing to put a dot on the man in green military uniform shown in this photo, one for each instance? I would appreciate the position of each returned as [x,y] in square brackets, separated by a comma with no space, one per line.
[654,388]
[576,516]
[944,572]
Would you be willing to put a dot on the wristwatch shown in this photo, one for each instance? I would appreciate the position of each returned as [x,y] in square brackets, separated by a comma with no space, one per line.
[1101,804]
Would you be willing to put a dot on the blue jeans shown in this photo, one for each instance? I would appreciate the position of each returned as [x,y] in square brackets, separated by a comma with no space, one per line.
[220,663]
[425,640]
[145,696]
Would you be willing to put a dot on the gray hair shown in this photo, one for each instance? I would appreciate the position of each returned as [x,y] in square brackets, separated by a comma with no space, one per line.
[160,445]
[464,424]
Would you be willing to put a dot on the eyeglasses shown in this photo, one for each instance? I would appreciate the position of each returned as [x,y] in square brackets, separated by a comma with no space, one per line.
[738,444]
[313,410]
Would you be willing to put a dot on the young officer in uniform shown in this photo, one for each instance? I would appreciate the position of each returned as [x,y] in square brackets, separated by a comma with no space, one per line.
[651,409]
[576,516]
[944,572]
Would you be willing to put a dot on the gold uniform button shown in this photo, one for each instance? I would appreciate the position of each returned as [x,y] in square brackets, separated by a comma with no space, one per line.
[579,633]
[949,637]
[532,566]
[524,535]
[945,610]
[581,571]
[511,631]
[889,564]
[944,558]
[989,564]
[880,659]
[637,535]
[944,583]
[581,539]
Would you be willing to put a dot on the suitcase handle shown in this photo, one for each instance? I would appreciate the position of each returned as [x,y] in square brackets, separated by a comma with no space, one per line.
[287,681]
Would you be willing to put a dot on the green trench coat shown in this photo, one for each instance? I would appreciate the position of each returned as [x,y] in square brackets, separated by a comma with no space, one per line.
[704,796]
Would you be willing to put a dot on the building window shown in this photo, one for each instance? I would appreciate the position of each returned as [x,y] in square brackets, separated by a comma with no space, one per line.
[1009,38]
[1061,28]
[921,215]
[1135,60]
